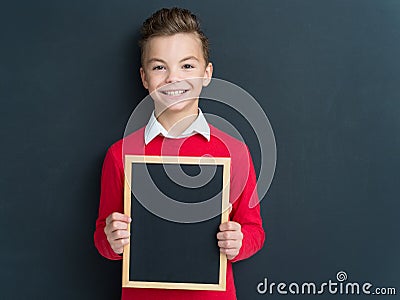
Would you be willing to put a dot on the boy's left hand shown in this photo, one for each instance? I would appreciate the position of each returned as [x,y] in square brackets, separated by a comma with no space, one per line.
[230,239]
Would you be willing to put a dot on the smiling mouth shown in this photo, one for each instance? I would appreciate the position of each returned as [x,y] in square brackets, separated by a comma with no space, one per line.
[174,92]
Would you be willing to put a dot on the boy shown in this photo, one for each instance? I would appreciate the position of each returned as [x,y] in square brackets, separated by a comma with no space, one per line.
[175,66]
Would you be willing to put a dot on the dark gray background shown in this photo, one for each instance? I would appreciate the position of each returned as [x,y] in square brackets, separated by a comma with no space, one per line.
[327,74]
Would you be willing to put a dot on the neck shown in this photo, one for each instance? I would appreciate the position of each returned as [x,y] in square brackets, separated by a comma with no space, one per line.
[175,122]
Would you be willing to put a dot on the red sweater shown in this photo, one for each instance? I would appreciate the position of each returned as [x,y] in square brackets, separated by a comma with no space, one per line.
[242,183]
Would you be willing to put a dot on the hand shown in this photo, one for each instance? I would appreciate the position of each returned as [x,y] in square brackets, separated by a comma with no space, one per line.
[117,232]
[230,239]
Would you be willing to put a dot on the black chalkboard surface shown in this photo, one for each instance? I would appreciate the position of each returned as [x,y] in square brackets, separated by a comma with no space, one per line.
[176,205]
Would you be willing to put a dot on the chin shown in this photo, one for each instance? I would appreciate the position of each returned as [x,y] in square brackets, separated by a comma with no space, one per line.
[181,106]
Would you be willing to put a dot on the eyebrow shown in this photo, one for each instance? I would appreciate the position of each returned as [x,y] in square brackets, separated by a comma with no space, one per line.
[189,58]
[162,61]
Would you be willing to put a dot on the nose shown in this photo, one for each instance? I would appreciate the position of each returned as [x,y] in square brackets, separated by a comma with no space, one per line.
[172,76]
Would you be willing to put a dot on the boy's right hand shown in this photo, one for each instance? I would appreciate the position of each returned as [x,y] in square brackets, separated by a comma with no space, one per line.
[117,232]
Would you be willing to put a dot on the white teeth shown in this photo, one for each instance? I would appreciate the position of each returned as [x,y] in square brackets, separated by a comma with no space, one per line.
[174,93]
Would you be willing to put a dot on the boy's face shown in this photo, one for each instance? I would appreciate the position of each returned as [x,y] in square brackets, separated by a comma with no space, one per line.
[174,72]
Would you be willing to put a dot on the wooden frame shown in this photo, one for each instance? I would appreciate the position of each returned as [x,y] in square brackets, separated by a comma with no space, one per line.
[223,161]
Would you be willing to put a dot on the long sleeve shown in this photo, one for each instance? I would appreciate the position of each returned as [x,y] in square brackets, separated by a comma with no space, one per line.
[243,182]
[249,218]
[111,200]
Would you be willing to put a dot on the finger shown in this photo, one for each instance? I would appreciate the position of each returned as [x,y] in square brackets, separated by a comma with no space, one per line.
[229,252]
[118,245]
[119,234]
[114,226]
[230,225]
[230,244]
[115,216]
[121,250]
[230,235]
[118,225]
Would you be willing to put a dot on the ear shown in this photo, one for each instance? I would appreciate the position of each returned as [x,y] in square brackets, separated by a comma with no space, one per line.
[207,74]
[143,77]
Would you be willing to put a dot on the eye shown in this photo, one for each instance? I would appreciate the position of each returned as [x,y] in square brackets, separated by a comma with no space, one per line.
[188,66]
[158,68]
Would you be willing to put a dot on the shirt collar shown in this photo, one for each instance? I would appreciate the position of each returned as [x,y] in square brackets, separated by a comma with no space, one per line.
[154,128]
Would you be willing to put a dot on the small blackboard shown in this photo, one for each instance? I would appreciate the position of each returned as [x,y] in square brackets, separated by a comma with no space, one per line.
[176,205]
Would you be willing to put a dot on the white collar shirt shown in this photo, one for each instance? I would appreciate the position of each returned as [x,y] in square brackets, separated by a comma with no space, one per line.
[154,128]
